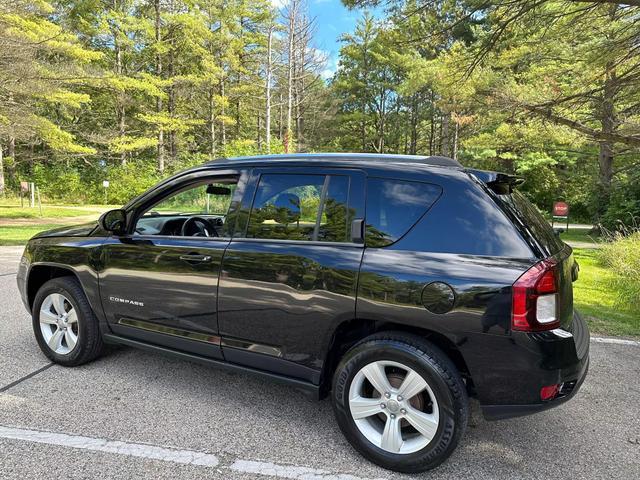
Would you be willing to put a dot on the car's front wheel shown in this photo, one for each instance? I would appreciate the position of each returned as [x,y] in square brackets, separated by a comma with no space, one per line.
[400,402]
[65,327]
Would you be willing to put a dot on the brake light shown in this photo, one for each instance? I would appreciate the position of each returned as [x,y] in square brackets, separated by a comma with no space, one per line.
[535,298]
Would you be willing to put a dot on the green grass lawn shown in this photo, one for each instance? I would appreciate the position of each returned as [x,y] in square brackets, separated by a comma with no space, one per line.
[18,235]
[578,235]
[594,294]
[12,212]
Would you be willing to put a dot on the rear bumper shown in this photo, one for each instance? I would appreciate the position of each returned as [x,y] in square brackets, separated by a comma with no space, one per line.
[561,357]
[501,412]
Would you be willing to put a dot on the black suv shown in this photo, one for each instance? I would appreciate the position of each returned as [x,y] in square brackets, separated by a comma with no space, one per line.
[396,285]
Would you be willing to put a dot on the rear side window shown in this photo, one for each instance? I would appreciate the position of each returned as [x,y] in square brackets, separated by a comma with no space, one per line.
[532,222]
[300,207]
[394,206]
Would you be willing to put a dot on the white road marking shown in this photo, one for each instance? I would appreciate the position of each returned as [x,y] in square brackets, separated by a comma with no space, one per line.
[167,454]
[617,341]
[109,446]
[287,471]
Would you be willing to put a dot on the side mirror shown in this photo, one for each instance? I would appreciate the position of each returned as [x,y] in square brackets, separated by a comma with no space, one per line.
[114,221]
[558,231]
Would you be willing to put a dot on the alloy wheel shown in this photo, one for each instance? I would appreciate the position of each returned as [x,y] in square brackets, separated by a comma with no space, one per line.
[394,407]
[59,323]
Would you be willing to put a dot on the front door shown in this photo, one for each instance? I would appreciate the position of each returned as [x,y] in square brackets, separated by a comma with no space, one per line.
[159,283]
[289,276]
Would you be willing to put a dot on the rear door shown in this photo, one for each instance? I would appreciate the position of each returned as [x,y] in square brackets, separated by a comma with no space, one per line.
[290,273]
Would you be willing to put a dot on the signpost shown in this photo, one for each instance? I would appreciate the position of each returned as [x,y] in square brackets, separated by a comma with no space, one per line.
[105,185]
[560,212]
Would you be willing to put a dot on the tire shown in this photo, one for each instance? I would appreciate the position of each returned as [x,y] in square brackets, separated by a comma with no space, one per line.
[88,339]
[443,402]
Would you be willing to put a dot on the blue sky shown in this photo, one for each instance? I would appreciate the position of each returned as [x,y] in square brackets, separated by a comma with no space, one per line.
[332,20]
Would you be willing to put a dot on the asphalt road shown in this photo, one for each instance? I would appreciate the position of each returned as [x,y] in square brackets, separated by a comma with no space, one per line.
[134,414]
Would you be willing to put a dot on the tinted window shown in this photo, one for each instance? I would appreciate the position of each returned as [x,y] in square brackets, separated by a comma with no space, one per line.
[394,206]
[291,207]
[532,221]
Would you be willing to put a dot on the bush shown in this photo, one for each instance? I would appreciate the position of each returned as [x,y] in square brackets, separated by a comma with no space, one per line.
[624,203]
[622,255]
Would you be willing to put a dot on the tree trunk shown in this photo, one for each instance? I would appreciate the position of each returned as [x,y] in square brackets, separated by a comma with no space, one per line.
[259,132]
[455,140]
[444,149]
[223,128]
[413,145]
[281,117]
[432,129]
[171,107]
[160,152]
[293,13]
[609,125]
[2,185]
[120,108]
[267,121]
[212,123]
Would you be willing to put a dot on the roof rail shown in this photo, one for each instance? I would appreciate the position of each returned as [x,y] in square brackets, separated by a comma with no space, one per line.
[349,157]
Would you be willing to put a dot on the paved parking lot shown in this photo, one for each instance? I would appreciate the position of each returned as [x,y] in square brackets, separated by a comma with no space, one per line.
[134,414]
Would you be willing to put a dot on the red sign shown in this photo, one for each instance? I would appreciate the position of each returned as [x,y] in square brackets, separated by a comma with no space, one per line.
[560,209]
[24,186]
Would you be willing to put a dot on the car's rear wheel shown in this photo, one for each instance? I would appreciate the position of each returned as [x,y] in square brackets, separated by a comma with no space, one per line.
[65,327]
[400,402]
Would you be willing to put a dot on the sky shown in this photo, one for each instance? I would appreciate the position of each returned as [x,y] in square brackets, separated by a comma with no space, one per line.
[332,20]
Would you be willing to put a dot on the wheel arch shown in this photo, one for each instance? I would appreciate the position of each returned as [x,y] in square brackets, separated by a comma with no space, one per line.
[349,332]
[40,274]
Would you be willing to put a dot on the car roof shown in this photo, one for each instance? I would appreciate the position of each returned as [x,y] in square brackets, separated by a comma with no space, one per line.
[356,159]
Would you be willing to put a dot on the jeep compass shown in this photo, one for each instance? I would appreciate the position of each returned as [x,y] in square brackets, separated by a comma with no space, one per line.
[397,286]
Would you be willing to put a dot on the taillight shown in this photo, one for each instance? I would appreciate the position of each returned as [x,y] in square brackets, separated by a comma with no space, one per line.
[534,305]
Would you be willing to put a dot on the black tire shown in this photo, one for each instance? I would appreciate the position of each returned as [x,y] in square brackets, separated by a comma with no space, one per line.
[440,373]
[89,345]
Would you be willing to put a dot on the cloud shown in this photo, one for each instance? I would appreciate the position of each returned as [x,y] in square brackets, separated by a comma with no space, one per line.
[279,3]
[327,73]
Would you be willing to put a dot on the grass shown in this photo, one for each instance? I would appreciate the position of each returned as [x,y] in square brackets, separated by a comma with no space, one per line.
[578,235]
[19,234]
[13,212]
[595,295]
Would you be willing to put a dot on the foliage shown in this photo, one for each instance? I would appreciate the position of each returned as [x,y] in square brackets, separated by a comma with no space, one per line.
[596,295]
[545,90]
[623,211]
[622,255]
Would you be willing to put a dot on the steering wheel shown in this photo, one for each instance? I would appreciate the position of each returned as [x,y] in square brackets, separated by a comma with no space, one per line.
[197,227]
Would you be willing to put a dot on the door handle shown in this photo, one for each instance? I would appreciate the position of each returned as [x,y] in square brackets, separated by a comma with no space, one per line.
[195,258]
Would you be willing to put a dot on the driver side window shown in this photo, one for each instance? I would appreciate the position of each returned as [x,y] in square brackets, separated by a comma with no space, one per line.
[199,210]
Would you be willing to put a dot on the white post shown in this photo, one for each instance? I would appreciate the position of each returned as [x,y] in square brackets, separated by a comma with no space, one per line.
[33,194]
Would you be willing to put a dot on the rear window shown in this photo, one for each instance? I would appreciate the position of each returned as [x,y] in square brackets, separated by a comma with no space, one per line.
[531,221]
[394,206]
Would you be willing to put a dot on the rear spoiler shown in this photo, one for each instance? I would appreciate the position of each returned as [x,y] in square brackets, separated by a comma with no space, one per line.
[500,183]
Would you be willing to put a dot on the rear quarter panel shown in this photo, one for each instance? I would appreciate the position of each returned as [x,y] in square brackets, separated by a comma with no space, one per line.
[466,242]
